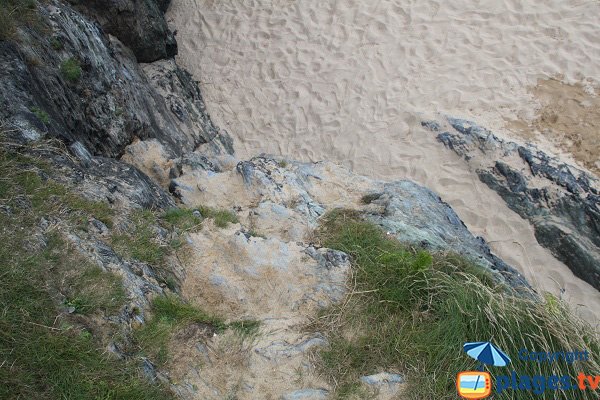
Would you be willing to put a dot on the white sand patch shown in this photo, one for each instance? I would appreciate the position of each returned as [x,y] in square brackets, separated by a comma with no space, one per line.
[349,81]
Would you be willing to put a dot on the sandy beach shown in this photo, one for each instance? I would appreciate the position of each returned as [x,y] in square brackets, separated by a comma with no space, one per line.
[349,81]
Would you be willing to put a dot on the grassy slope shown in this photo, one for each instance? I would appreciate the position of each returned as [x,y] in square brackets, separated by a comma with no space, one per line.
[48,353]
[411,311]
[44,352]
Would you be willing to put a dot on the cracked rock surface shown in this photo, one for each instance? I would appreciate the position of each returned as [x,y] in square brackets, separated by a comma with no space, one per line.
[561,201]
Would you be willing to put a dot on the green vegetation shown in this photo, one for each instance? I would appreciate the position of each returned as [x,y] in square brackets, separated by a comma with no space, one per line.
[245,328]
[222,218]
[22,178]
[255,233]
[170,314]
[41,115]
[411,311]
[140,241]
[71,69]
[183,219]
[15,13]
[47,353]
[56,43]
[89,289]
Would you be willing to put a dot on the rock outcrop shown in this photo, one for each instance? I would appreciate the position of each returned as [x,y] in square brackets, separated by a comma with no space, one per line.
[81,85]
[560,200]
[139,24]
[286,200]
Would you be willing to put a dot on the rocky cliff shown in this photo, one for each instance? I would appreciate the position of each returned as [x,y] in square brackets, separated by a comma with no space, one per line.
[70,79]
[92,91]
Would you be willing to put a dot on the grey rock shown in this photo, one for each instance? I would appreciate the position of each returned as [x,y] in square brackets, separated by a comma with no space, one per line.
[284,349]
[415,214]
[110,104]
[410,212]
[82,154]
[560,200]
[116,182]
[139,281]
[431,125]
[139,24]
[184,99]
[382,378]
[329,258]
[100,228]
[306,394]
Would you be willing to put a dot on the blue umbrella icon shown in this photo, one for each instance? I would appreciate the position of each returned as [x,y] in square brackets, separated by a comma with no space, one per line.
[486,353]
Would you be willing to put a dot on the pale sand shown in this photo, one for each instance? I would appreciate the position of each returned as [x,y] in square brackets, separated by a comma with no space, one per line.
[349,81]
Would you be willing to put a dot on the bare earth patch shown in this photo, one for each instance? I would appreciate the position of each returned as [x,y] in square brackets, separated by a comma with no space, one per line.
[569,118]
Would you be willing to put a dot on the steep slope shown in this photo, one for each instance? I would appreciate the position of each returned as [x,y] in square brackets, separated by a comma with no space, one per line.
[222,270]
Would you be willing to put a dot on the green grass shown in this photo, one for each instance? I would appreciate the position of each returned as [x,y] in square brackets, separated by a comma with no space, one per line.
[23,176]
[13,14]
[222,218]
[56,43]
[71,69]
[255,233]
[140,240]
[90,289]
[412,311]
[182,219]
[41,115]
[245,328]
[169,315]
[45,352]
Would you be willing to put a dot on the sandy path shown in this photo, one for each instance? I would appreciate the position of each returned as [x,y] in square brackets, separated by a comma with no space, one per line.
[349,81]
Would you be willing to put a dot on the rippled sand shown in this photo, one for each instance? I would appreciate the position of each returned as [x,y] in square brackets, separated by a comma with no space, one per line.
[349,81]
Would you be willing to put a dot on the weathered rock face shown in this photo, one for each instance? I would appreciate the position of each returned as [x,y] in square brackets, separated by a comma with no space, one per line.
[561,201]
[267,268]
[416,215]
[279,283]
[286,200]
[184,99]
[102,179]
[139,24]
[105,101]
